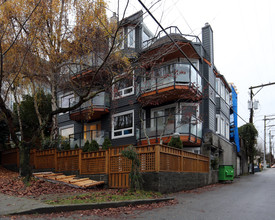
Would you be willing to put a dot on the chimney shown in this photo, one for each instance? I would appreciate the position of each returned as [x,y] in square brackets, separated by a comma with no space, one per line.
[207,42]
[114,18]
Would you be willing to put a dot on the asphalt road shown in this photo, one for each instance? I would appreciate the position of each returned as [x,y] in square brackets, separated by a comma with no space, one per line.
[249,197]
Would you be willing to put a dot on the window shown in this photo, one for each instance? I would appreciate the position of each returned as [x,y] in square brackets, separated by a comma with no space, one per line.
[164,117]
[66,131]
[218,86]
[124,87]
[123,125]
[222,90]
[222,127]
[66,100]
[227,96]
[131,37]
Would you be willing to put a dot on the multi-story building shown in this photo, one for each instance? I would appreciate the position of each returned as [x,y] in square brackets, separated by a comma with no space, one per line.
[175,90]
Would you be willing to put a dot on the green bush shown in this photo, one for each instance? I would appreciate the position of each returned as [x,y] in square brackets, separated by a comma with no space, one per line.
[76,147]
[66,146]
[106,144]
[135,176]
[94,146]
[175,142]
[86,146]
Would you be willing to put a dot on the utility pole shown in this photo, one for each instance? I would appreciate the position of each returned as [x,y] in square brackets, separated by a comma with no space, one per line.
[270,149]
[251,110]
[252,95]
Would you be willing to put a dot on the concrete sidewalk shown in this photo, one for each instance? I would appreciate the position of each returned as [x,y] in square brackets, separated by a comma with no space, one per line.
[10,205]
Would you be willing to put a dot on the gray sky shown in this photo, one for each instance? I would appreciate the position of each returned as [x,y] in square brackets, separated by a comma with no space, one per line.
[244,47]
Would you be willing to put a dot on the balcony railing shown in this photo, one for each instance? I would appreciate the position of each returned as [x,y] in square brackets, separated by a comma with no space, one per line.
[171,75]
[81,138]
[169,125]
[101,100]
[170,30]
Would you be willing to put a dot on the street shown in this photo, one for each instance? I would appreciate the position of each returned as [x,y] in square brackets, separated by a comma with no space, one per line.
[249,197]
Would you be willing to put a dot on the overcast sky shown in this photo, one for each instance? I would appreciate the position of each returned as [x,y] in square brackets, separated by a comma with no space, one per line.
[244,46]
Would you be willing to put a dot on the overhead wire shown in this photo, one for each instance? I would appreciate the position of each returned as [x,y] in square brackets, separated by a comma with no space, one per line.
[173,41]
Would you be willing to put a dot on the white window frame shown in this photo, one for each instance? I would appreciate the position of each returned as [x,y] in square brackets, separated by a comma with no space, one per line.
[131,31]
[222,126]
[66,127]
[124,89]
[122,130]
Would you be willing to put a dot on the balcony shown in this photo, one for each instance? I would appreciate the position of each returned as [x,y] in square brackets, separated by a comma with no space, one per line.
[93,109]
[169,83]
[81,138]
[189,129]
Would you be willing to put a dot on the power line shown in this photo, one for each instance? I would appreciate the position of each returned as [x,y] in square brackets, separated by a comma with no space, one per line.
[173,41]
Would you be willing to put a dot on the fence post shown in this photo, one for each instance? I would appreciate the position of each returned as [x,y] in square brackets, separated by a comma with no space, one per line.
[55,160]
[181,161]
[107,161]
[157,158]
[80,161]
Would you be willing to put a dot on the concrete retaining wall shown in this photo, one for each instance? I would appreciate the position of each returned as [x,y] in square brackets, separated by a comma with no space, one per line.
[167,182]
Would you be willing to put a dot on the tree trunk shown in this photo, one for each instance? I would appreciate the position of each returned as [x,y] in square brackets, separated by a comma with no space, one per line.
[24,162]
[37,110]
[54,130]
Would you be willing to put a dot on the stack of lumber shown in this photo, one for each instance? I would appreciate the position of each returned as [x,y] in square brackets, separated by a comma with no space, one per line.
[71,180]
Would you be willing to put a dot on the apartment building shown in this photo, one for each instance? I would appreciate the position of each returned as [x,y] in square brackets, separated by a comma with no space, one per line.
[175,90]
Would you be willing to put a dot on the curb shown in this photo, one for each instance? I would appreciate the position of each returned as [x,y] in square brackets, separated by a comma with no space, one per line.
[90,206]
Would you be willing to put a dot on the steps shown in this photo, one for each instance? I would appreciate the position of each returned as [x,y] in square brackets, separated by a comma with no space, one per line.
[70,180]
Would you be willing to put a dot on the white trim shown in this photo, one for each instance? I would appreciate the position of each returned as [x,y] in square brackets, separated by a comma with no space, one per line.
[122,91]
[66,127]
[131,30]
[124,129]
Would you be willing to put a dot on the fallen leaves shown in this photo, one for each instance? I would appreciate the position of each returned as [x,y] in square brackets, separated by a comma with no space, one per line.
[12,184]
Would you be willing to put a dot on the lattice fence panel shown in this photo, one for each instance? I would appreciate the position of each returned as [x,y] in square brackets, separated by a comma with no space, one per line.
[93,163]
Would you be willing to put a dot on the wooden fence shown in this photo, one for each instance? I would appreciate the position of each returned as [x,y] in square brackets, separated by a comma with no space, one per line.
[153,158]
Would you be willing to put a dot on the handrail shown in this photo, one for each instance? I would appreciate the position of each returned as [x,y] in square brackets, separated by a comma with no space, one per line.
[169,30]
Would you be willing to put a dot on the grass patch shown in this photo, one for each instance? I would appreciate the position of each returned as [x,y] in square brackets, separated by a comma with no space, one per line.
[105,196]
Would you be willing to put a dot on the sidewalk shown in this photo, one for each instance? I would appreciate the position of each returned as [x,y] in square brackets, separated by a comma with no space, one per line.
[13,205]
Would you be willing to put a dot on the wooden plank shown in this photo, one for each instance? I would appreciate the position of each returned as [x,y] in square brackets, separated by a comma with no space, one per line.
[93,184]
[64,177]
[78,180]
[41,173]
